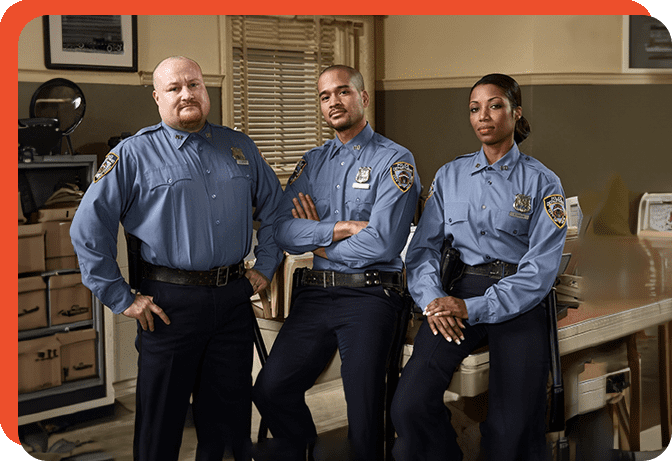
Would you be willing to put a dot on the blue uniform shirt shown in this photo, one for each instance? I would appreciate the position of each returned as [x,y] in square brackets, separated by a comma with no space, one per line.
[512,211]
[188,196]
[368,179]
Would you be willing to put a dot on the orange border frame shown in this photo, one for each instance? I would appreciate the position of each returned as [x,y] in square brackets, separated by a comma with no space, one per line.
[19,14]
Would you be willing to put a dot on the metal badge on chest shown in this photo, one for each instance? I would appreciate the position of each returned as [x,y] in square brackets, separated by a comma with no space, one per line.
[362,178]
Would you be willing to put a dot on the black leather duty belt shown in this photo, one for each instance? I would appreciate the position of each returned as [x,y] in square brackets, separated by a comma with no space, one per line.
[217,277]
[372,278]
[495,270]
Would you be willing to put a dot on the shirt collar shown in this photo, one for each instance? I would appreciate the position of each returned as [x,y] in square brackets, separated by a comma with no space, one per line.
[356,145]
[177,137]
[504,165]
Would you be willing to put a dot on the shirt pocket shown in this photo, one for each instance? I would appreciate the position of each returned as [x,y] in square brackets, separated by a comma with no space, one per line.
[456,213]
[167,176]
[359,203]
[512,225]
[321,198]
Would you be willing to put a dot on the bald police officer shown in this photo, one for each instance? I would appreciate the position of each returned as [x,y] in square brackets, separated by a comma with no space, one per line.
[189,190]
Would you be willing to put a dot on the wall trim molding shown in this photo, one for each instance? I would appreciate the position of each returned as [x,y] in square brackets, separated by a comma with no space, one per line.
[431,83]
[141,78]
[213,80]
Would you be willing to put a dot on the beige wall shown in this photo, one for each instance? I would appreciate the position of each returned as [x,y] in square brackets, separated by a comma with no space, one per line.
[158,37]
[459,46]
[415,52]
[202,38]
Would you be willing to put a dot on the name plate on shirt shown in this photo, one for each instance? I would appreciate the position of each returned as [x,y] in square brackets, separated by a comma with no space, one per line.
[356,185]
[518,215]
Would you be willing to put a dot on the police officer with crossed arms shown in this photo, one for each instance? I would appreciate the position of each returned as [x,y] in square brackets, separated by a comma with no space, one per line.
[351,202]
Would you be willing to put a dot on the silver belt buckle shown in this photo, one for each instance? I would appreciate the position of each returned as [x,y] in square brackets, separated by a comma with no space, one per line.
[219,274]
[324,279]
[499,273]
[372,278]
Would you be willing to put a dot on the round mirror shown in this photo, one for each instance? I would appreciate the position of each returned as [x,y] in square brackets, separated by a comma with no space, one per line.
[60,99]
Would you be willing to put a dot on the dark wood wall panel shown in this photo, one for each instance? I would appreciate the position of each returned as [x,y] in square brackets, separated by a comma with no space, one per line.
[112,110]
[585,133]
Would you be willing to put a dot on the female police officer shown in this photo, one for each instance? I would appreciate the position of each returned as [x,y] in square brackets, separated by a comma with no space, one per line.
[504,212]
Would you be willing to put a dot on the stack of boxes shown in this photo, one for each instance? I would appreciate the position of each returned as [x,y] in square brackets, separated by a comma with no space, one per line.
[55,310]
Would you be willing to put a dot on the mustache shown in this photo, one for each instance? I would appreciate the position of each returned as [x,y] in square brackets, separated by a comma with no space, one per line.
[189,104]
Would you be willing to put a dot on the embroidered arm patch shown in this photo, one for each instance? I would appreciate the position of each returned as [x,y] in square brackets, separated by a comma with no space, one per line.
[403,175]
[107,166]
[262,156]
[431,189]
[297,171]
[555,208]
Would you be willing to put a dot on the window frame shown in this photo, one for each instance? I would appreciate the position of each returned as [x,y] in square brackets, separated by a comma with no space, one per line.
[353,45]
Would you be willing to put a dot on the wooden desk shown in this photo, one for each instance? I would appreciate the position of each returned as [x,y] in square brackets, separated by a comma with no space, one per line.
[627,287]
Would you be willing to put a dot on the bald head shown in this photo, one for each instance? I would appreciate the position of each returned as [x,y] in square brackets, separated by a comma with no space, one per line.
[161,66]
[180,93]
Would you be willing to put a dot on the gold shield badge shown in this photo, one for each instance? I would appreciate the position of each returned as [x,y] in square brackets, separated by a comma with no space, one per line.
[238,156]
[522,203]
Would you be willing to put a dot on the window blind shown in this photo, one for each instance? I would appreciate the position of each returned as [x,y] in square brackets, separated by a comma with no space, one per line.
[276,63]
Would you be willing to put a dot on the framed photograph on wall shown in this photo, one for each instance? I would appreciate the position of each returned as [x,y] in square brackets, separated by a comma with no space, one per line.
[80,42]
[647,46]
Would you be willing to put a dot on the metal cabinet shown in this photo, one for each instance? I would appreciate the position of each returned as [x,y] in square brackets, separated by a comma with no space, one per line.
[37,181]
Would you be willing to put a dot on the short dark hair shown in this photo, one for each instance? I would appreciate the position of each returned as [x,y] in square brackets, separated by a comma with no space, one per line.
[355,77]
[512,92]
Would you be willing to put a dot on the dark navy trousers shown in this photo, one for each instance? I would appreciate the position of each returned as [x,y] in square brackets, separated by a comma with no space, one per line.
[206,351]
[519,367]
[360,322]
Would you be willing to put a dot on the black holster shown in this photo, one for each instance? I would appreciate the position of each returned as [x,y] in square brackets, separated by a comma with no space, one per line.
[452,266]
[134,261]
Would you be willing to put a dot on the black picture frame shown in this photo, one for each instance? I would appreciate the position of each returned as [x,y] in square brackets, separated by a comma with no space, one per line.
[87,42]
[648,44]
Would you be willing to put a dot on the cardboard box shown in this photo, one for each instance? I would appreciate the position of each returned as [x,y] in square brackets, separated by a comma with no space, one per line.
[61,262]
[32,303]
[56,213]
[39,364]
[70,300]
[78,354]
[59,252]
[58,241]
[31,248]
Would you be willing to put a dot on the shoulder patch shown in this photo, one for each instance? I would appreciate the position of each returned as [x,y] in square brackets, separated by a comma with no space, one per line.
[431,190]
[107,166]
[263,158]
[297,171]
[555,208]
[403,175]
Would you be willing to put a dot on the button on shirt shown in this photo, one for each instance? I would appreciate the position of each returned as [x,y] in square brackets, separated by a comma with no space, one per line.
[476,204]
[352,182]
[188,196]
